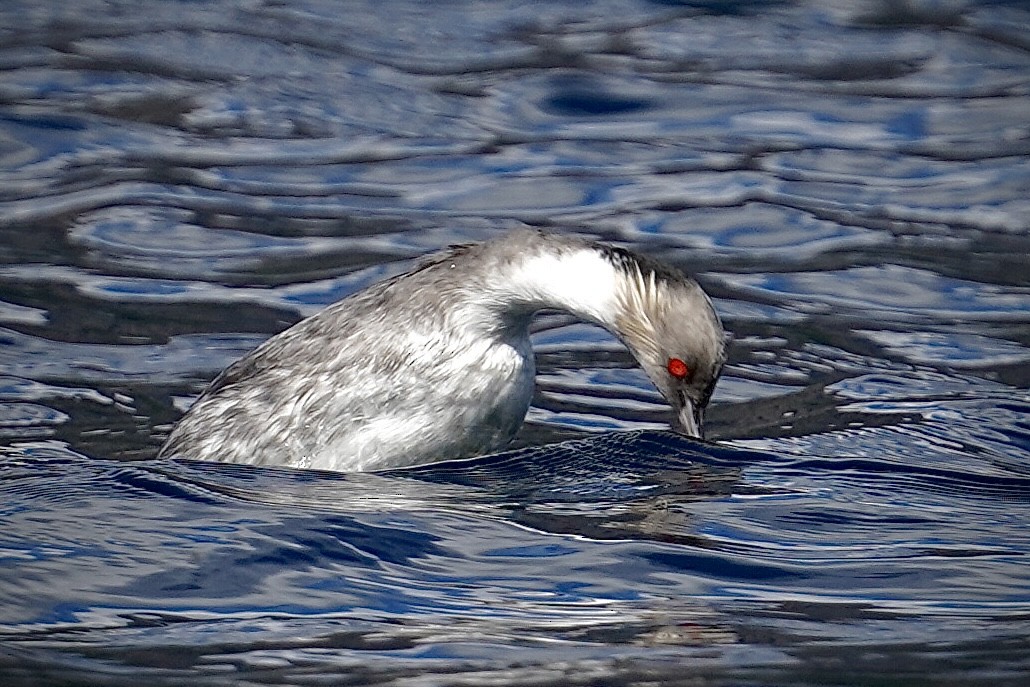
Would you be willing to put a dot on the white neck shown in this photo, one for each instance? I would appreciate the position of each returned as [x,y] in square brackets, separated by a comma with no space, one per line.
[580,281]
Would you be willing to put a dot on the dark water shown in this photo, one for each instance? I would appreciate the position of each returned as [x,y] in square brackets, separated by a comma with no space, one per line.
[849,180]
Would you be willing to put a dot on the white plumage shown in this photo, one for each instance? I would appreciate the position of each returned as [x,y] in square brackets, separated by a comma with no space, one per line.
[437,363]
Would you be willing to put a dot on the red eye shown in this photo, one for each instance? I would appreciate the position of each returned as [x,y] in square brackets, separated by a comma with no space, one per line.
[677,368]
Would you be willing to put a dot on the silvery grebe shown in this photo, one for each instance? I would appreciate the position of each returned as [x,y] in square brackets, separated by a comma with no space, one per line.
[436,363]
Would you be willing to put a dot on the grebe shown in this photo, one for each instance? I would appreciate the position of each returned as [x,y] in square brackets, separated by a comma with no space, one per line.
[437,364]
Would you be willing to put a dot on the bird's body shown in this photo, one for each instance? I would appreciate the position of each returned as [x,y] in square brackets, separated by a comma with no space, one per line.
[436,363]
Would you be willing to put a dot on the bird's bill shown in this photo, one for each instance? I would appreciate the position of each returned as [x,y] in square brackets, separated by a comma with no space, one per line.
[688,420]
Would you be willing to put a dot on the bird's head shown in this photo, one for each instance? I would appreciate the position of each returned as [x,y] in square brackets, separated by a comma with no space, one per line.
[668,323]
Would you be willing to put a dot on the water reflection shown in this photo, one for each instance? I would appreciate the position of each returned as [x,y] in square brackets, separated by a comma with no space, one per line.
[847,180]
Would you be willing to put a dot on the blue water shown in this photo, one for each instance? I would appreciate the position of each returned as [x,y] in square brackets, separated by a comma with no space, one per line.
[850,181]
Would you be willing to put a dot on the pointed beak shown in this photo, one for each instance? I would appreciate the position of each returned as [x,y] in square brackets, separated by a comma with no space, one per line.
[689,420]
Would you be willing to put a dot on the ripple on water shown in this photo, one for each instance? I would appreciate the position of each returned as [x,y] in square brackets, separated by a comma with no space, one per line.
[963,351]
[41,360]
[889,292]
[849,181]
[169,243]
[761,232]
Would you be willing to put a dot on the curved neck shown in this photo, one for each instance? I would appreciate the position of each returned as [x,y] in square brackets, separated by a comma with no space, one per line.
[578,279]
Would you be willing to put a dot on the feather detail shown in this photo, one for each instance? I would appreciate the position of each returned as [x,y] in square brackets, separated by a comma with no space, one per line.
[641,303]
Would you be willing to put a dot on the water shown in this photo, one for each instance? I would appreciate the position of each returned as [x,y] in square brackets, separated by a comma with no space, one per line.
[850,181]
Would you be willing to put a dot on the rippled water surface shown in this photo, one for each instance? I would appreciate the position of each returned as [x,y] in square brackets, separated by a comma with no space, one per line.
[849,180]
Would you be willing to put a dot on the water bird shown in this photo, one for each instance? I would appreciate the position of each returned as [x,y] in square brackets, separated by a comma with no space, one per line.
[436,363]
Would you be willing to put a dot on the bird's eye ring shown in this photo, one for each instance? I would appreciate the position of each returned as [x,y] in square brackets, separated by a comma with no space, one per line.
[677,368]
